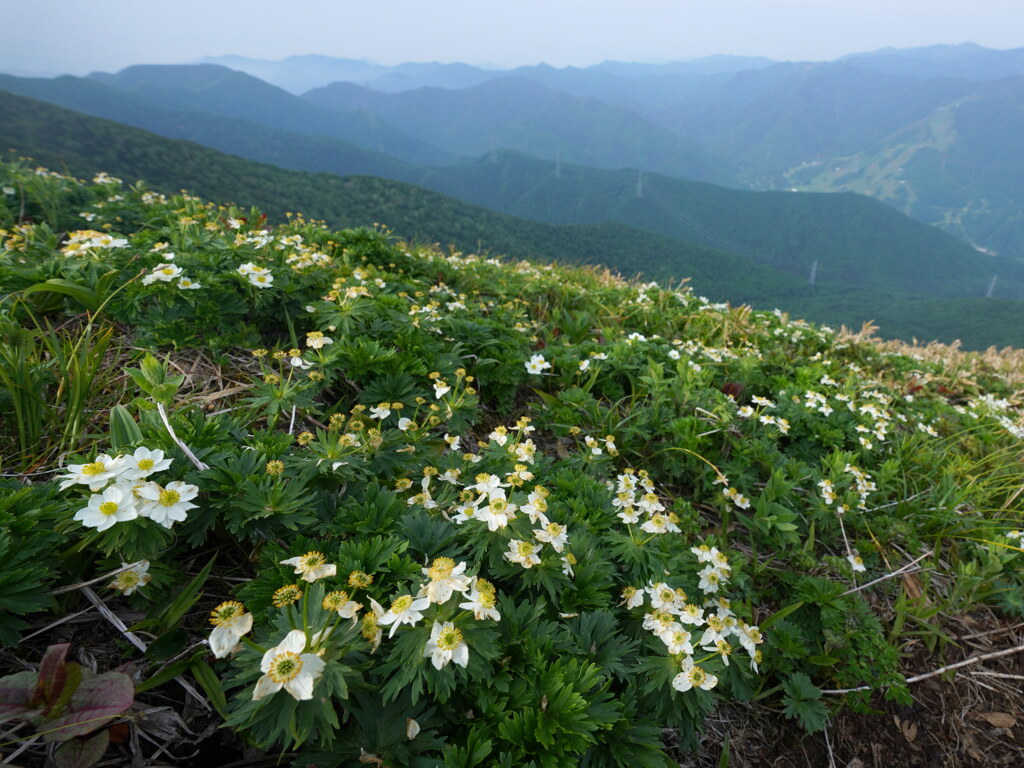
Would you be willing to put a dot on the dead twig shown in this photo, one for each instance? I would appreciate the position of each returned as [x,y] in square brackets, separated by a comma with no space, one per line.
[935,672]
[898,572]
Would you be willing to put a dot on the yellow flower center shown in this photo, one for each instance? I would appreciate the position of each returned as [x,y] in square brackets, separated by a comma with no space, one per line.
[95,468]
[449,638]
[285,667]
[313,560]
[286,595]
[369,627]
[127,580]
[146,463]
[169,498]
[359,579]
[525,548]
[225,612]
[697,677]
[108,507]
[399,604]
[442,568]
[334,600]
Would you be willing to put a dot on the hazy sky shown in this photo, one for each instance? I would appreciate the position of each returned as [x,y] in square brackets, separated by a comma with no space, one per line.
[79,36]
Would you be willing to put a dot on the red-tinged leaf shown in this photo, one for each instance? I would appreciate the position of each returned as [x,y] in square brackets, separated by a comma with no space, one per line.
[98,700]
[72,679]
[52,675]
[16,694]
[81,753]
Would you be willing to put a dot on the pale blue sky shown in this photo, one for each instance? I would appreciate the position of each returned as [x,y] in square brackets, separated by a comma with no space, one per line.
[79,36]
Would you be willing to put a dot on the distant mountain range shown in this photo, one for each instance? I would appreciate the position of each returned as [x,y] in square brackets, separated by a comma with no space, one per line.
[933,131]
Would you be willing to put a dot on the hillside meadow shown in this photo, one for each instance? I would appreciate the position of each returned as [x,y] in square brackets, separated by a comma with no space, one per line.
[277,493]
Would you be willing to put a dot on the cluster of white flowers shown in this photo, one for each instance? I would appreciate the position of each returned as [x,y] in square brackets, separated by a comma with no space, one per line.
[84,241]
[260,277]
[1000,409]
[122,492]
[167,273]
[676,621]
[597,446]
[636,500]
[302,256]
[862,486]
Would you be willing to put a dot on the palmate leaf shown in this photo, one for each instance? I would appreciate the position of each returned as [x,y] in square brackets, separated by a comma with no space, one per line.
[597,637]
[802,703]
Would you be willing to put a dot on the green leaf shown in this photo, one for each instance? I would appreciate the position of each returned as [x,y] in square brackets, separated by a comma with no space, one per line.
[124,432]
[210,683]
[81,293]
[189,596]
[164,675]
[780,614]
[170,643]
[802,703]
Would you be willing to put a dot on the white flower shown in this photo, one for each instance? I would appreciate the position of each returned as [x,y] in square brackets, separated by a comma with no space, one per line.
[497,513]
[286,666]
[445,578]
[404,610]
[143,463]
[522,552]
[317,340]
[554,534]
[115,505]
[710,579]
[634,597]
[856,563]
[481,600]
[381,411]
[230,622]
[446,644]
[133,577]
[186,284]
[260,279]
[95,474]
[405,423]
[693,676]
[312,566]
[162,272]
[440,389]
[169,504]
[298,362]
[537,364]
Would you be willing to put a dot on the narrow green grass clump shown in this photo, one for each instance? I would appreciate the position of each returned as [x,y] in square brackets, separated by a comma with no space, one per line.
[441,509]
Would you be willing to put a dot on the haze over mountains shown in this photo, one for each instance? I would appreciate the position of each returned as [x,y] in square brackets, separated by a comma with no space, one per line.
[703,154]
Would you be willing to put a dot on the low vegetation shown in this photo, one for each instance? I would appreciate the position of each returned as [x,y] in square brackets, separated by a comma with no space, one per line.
[357,500]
